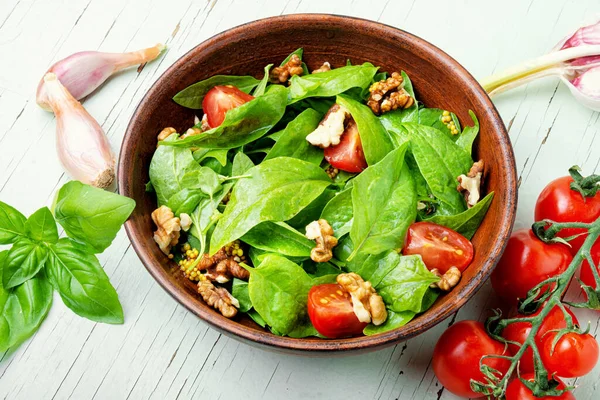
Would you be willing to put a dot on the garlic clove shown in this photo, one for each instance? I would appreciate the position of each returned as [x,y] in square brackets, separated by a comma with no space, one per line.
[82,147]
[587,35]
[82,73]
[586,88]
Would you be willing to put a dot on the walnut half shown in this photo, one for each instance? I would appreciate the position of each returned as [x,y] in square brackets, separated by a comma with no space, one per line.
[168,228]
[388,95]
[285,72]
[321,232]
[330,129]
[470,184]
[448,280]
[220,268]
[218,298]
[367,304]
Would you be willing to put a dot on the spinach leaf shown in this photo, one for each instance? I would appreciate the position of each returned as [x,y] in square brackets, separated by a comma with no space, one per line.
[218,154]
[440,161]
[192,96]
[330,83]
[325,272]
[257,318]
[41,226]
[312,211]
[82,283]
[433,117]
[260,88]
[338,212]
[12,224]
[276,190]
[374,138]
[185,201]
[467,222]
[22,309]
[384,204]
[241,164]
[204,179]
[91,215]
[468,135]
[293,141]
[280,238]
[299,52]
[206,215]
[239,290]
[23,262]
[394,320]
[242,125]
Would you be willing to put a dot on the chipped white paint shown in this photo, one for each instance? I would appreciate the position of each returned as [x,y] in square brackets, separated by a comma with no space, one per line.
[162,351]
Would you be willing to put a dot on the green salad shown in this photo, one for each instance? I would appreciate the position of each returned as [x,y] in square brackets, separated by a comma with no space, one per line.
[328,204]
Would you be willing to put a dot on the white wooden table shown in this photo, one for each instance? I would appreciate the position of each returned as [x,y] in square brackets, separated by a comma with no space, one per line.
[164,352]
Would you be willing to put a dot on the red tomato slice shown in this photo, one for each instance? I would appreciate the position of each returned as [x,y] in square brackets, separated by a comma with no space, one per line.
[221,99]
[331,313]
[516,390]
[440,247]
[348,155]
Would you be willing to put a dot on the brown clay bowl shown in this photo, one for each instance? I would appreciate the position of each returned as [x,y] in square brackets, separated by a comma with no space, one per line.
[439,82]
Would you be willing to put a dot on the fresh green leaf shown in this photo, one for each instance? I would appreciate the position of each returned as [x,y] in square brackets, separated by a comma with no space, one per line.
[276,190]
[468,135]
[218,154]
[239,290]
[185,201]
[394,320]
[299,52]
[433,117]
[242,125]
[23,262]
[91,215]
[206,215]
[260,88]
[384,204]
[257,318]
[330,83]
[41,226]
[204,179]
[241,164]
[375,140]
[82,283]
[192,96]
[12,224]
[293,141]
[312,211]
[338,212]
[280,238]
[467,222]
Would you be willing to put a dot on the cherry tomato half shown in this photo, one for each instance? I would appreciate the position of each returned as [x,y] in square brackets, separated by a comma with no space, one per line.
[587,276]
[574,354]
[457,354]
[519,331]
[516,390]
[348,155]
[526,262]
[221,99]
[440,247]
[559,203]
[331,312]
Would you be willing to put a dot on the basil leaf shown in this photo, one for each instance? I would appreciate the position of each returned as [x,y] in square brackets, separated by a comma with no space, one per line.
[22,309]
[241,164]
[276,190]
[394,320]
[218,154]
[239,290]
[468,135]
[280,238]
[330,83]
[467,222]
[23,262]
[192,96]
[12,224]
[242,125]
[260,89]
[41,226]
[375,140]
[338,212]
[293,141]
[82,283]
[91,215]
[384,204]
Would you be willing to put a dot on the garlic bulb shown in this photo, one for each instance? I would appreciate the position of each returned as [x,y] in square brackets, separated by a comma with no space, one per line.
[82,147]
[82,73]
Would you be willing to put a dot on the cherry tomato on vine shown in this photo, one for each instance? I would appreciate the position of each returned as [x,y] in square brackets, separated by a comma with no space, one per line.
[574,355]
[519,331]
[559,203]
[587,276]
[526,262]
[221,99]
[516,390]
[440,247]
[457,354]
[348,155]
[331,312]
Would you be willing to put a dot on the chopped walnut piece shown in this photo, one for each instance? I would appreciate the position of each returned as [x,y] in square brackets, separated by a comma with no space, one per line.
[388,95]
[367,304]
[285,72]
[204,125]
[221,268]
[165,133]
[331,127]
[167,234]
[447,281]
[185,221]
[470,184]
[219,298]
[321,232]
[191,132]
[323,68]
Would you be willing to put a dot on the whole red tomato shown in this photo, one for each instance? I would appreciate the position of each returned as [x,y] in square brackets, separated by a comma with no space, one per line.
[519,331]
[457,354]
[587,276]
[559,203]
[517,391]
[526,262]
[331,312]
[574,354]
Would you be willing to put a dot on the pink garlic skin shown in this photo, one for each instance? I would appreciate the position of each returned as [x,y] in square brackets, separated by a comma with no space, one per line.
[82,73]
[588,35]
[81,144]
[586,88]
